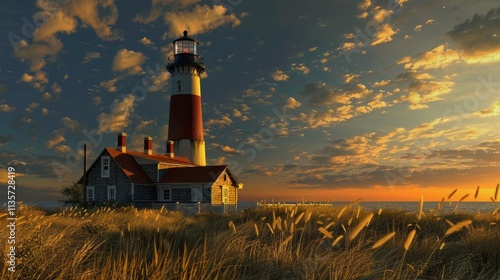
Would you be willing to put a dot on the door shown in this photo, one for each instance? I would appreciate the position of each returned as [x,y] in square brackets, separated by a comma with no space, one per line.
[225,194]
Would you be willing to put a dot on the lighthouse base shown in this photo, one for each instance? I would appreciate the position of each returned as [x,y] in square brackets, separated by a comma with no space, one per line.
[194,150]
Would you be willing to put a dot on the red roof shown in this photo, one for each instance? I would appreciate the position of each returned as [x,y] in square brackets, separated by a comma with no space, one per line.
[196,174]
[130,167]
[161,158]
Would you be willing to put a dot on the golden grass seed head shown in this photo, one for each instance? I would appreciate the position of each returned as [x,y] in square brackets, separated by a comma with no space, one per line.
[409,239]
[383,240]
[458,226]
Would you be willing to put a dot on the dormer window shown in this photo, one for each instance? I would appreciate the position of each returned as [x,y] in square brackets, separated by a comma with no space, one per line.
[104,166]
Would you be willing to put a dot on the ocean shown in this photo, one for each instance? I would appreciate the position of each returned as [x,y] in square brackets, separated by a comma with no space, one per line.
[471,207]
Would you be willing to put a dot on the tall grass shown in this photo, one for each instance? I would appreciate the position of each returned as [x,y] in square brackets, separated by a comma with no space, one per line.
[269,243]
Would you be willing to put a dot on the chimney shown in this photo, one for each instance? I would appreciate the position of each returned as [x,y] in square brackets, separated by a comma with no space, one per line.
[148,145]
[122,142]
[170,148]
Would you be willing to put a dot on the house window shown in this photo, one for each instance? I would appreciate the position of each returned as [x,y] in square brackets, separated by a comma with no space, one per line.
[225,194]
[111,192]
[225,177]
[197,194]
[104,166]
[165,194]
[90,194]
[179,85]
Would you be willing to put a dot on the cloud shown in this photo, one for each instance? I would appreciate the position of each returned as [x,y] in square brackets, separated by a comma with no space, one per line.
[97,100]
[222,122]
[226,149]
[439,57]
[57,138]
[418,28]
[5,139]
[320,94]
[159,7]
[59,22]
[98,14]
[220,161]
[6,108]
[37,80]
[91,55]
[144,124]
[73,125]
[384,35]
[494,110]
[146,42]
[423,92]
[157,82]
[317,119]
[479,37]
[350,77]
[56,88]
[200,19]
[109,85]
[128,61]
[120,116]
[291,103]
[301,68]
[279,75]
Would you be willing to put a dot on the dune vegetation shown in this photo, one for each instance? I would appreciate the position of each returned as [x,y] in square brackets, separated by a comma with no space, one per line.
[266,243]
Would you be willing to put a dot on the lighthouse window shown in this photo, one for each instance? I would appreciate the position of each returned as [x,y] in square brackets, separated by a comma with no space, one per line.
[179,85]
[185,47]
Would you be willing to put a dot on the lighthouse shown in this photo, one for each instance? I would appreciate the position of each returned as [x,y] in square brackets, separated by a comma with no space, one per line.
[185,125]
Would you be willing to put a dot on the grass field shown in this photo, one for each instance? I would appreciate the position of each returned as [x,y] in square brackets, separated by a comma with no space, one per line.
[270,243]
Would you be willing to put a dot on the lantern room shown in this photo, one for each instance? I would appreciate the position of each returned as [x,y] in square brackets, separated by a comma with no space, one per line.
[185,45]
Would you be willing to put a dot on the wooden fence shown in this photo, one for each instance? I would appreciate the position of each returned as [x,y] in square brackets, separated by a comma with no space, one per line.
[197,208]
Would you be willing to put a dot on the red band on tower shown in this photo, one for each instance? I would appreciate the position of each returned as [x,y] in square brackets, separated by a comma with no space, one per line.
[185,117]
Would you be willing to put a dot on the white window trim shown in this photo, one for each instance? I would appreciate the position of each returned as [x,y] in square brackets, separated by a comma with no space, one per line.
[105,175]
[201,193]
[90,188]
[109,193]
[160,195]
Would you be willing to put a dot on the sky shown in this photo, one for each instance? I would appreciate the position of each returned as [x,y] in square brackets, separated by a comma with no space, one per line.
[319,100]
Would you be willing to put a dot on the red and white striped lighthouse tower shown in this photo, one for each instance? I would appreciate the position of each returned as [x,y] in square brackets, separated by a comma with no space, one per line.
[185,126]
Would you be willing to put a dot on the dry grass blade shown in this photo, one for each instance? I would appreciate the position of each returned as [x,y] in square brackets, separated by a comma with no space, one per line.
[420,208]
[329,225]
[477,192]
[452,193]
[270,228]
[297,220]
[440,206]
[287,240]
[449,222]
[341,212]
[256,229]
[496,192]
[463,197]
[383,240]
[360,226]
[325,232]
[337,240]
[409,239]
[458,226]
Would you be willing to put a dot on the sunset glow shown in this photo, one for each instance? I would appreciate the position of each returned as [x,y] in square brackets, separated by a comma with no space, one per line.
[320,101]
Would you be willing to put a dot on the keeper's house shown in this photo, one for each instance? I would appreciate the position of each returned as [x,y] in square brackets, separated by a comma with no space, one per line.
[144,178]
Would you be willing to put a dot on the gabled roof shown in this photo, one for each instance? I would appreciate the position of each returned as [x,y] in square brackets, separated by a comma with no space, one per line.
[196,174]
[159,158]
[130,167]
